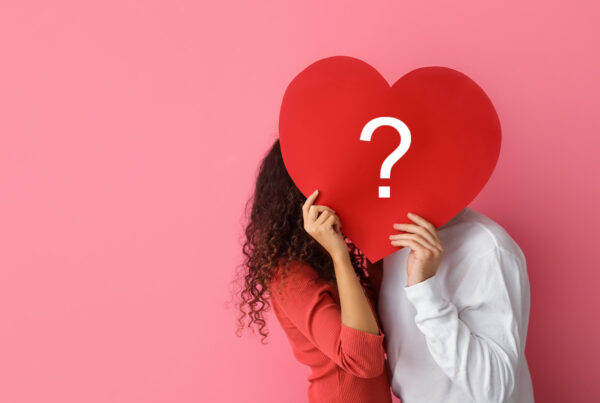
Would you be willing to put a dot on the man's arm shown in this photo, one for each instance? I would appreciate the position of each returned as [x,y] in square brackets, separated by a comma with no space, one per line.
[477,341]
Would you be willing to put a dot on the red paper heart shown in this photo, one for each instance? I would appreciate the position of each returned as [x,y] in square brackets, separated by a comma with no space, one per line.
[454,133]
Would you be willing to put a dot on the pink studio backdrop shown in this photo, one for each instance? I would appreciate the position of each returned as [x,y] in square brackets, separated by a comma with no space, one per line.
[130,134]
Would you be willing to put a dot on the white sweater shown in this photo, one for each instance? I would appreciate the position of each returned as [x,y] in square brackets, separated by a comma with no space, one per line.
[459,336]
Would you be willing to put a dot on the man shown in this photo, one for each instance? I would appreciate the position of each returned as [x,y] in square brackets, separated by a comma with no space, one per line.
[454,307]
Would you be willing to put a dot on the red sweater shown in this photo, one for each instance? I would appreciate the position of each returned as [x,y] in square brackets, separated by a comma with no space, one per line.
[348,365]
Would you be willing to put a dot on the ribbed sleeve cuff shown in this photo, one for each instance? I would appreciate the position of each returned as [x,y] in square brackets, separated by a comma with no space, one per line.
[425,296]
[363,353]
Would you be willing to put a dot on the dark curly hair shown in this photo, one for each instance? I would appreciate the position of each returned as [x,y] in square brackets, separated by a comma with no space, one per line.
[275,238]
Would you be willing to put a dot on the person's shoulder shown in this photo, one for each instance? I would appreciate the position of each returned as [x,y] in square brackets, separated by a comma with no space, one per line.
[485,255]
[295,270]
[479,234]
[298,288]
[500,239]
[293,278]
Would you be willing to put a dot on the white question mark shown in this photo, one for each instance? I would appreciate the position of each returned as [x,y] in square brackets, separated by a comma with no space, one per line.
[386,167]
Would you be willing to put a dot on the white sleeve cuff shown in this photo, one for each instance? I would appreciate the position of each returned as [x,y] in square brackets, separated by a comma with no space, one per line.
[426,296]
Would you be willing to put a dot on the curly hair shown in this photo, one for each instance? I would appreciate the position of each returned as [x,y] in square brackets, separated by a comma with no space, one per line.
[275,238]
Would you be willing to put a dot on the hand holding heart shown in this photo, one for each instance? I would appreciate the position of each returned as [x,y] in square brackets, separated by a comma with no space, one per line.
[422,238]
[324,226]
[426,248]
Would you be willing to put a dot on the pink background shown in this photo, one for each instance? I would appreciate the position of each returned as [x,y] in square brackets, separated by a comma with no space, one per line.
[130,134]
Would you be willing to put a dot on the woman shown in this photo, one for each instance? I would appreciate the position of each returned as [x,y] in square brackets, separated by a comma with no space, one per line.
[297,258]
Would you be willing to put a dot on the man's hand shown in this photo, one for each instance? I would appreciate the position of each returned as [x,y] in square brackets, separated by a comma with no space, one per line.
[426,248]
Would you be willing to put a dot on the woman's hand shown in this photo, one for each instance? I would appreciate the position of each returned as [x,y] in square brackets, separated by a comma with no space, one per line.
[426,248]
[325,227]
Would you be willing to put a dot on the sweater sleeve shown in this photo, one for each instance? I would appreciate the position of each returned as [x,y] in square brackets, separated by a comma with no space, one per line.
[477,344]
[312,309]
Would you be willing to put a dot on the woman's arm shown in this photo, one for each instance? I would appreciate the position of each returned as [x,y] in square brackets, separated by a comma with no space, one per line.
[347,331]
[326,229]
[312,308]
[356,311]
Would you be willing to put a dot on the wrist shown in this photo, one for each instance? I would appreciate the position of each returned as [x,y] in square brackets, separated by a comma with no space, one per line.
[417,278]
[340,257]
